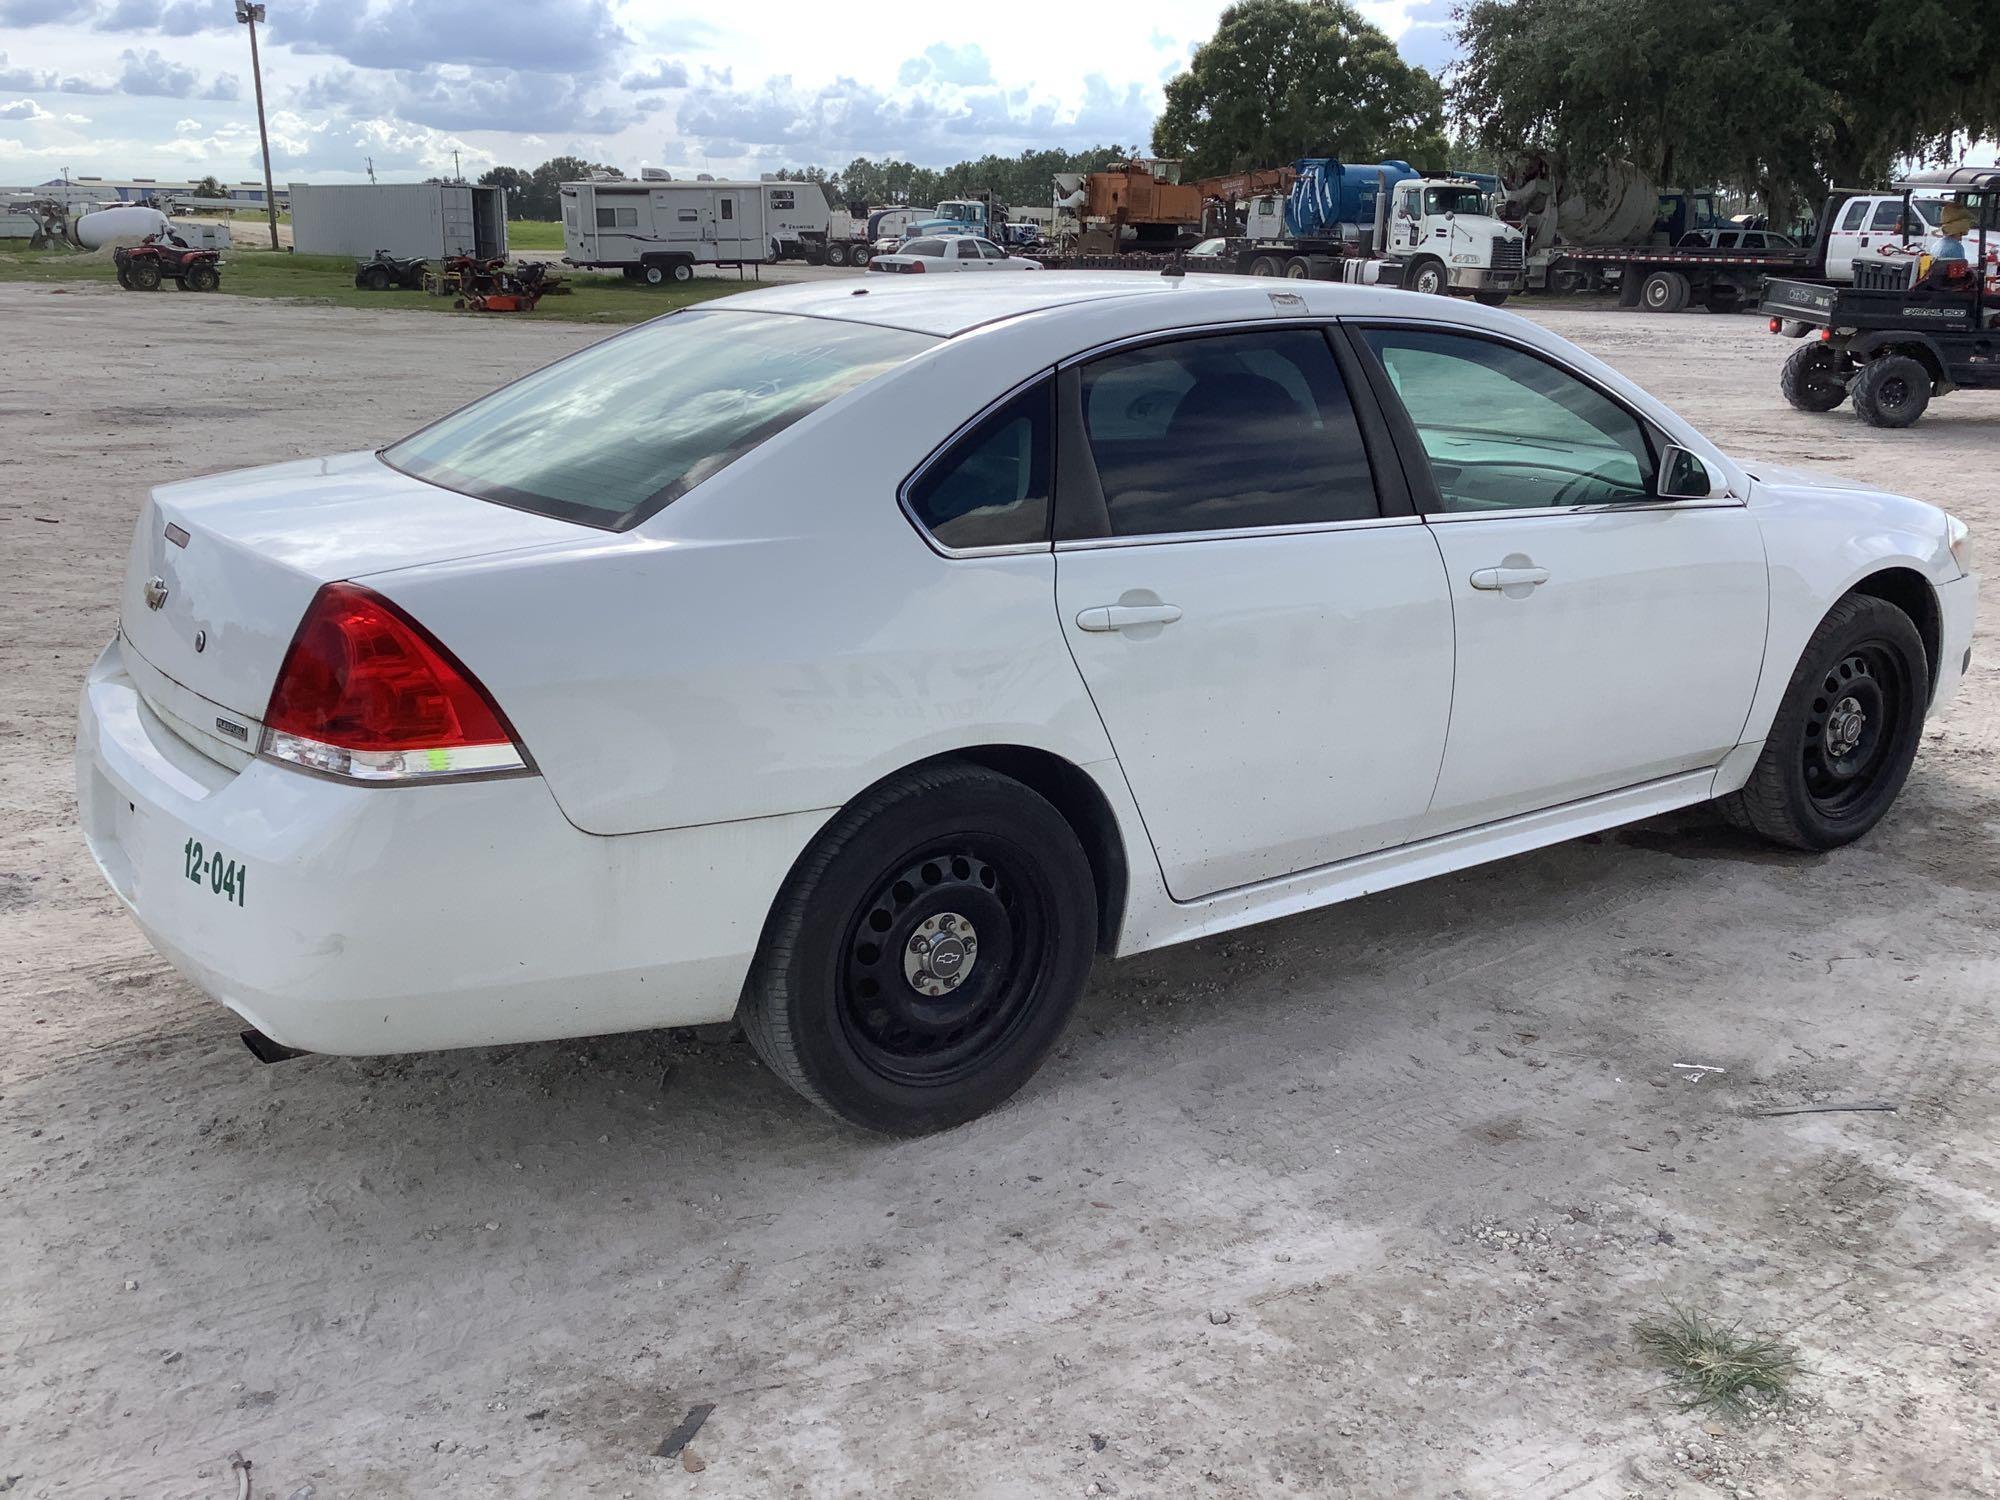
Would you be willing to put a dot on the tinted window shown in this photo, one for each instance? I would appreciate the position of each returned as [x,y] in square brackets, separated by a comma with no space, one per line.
[1211,434]
[991,251]
[610,435]
[924,247]
[1504,430]
[965,250]
[1888,214]
[991,488]
[1857,211]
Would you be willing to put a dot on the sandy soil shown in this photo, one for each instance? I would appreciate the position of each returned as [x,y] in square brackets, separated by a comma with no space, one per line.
[1362,1203]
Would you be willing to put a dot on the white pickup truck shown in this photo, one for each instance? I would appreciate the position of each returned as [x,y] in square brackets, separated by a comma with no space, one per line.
[1877,226]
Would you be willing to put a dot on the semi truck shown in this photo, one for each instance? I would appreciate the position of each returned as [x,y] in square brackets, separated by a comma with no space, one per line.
[1430,233]
[656,231]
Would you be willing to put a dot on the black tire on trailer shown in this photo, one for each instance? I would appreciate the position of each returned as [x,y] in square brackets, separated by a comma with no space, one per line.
[202,277]
[1814,378]
[1892,390]
[1665,292]
[1491,299]
[682,270]
[1845,733]
[925,951]
[653,273]
[836,254]
[375,278]
[1298,268]
[1265,265]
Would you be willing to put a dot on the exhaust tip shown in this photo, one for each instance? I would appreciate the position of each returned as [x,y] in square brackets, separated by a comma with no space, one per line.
[267,1051]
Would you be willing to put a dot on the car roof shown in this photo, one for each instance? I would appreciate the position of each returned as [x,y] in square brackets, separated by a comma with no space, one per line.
[947,306]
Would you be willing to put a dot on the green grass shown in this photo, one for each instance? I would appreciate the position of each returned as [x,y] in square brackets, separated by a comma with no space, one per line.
[534,234]
[329,279]
[1713,1365]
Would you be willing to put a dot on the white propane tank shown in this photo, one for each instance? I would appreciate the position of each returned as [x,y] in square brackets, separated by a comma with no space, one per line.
[117,226]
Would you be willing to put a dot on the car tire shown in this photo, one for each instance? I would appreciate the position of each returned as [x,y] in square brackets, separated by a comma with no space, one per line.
[1665,292]
[843,1006]
[205,278]
[1826,777]
[1892,390]
[1813,378]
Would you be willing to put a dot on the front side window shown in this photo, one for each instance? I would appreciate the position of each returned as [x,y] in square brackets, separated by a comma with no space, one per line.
[1888,214]
[991,488]
[610,435]
[1504,430]
[990,251]
[1213,434]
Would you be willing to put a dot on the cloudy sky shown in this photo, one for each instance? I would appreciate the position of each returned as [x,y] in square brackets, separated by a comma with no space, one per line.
[161,88]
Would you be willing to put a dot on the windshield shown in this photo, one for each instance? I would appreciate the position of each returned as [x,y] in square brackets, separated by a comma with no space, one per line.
[610,435]
[1459,200]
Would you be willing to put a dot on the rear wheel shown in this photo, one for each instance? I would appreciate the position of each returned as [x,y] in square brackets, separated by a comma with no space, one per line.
[144,275]
[1298,268]
[836,254]
[1265,265]
[203,277]
[1814,378]
[860,255]
[926,952]
[1845,734]
[681,271]
[1665,292]
[1892,390]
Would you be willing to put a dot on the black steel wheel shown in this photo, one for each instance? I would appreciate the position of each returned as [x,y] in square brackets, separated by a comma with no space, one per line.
[1814,377]
[1892,390]
[926,952]
[1845,733]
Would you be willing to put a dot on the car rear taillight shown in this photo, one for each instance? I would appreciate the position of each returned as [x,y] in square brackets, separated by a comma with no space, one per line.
[915,265]
[367,693]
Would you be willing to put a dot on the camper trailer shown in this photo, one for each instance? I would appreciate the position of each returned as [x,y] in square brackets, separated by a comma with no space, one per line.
[658,231]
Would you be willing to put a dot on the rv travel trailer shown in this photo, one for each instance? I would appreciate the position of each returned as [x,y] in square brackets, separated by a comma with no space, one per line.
[658,231]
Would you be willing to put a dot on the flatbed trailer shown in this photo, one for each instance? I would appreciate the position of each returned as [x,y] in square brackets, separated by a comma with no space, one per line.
[1664,280]
[1307,259]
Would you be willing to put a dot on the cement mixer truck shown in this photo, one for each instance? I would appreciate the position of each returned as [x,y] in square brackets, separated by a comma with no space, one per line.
[1382,222]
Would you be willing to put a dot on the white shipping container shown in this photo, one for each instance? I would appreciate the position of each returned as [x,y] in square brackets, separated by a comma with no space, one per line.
[429,219]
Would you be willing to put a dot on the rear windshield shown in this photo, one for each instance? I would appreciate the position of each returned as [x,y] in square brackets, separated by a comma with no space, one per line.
[610,435]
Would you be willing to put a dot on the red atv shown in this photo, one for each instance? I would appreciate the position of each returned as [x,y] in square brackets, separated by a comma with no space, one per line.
[161,257]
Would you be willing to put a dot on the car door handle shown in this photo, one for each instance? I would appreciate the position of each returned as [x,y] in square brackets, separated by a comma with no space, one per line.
[1506,578]
[1124,616]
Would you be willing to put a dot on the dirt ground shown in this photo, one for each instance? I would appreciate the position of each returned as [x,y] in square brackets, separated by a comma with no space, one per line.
[1363,1203]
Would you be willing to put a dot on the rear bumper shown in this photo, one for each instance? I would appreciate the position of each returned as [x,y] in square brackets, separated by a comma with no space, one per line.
[393,919]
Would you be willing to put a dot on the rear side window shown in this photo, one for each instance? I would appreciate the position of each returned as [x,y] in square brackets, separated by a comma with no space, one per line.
[1213,434]
[991,487]
[924,247]
[610,435]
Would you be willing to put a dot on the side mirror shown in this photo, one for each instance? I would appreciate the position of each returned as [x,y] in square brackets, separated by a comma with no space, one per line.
[1682,476]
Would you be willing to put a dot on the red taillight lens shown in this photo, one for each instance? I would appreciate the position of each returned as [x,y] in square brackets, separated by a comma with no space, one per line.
[915,265]
[366,692]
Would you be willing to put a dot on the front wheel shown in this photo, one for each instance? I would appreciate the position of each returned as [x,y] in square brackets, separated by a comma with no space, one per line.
[1490,299]
[926,952]
[202,277]
[1845,733]
[1892,390]
[1814,378]
[1430,279]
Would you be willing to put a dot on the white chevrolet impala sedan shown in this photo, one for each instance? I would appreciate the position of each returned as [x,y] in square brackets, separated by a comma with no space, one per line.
[860,661]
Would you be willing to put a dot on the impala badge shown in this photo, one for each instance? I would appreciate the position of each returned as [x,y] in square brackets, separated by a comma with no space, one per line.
[156,593]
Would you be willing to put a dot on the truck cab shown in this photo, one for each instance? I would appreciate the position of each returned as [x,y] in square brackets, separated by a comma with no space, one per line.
[1878,226]
[1444,231]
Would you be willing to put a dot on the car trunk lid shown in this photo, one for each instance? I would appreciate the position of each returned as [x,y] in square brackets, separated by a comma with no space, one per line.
[222,568]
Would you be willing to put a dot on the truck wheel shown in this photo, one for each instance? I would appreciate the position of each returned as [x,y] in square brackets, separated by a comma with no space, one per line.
[860,255]
[925,952]
[1813,378]
[1892,390]
[1490,299]
[836,254]
[1265,265]
[1846,731]
[1298,269]
[1665,292]
[1428,277]
[682,271]
[202,277]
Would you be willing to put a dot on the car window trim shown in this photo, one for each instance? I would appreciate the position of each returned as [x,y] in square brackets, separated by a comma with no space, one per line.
[1416,461]
[943,449]
[1085,518]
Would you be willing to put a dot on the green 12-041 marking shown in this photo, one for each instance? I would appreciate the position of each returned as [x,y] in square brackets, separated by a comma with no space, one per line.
[225,877]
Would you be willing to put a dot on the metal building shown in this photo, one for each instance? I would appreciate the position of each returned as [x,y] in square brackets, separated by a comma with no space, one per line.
[430,219]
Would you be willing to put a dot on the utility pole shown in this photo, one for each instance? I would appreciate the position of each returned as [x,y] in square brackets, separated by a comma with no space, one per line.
[250,15]
[371,171]
[456,175]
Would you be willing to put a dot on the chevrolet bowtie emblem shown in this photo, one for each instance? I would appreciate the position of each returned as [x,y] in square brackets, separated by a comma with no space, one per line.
[156,593]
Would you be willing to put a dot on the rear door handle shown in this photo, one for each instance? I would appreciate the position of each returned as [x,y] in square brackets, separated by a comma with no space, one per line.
[1123,616]
[1506,578]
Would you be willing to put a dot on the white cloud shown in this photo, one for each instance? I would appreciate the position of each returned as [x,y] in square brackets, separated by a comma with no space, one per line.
[23,109]
[472,99]
[664,73]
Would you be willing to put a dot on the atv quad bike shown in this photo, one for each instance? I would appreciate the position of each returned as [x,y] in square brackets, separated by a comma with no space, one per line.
[167,257]
[381,271]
